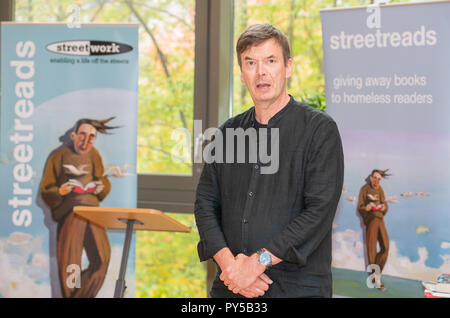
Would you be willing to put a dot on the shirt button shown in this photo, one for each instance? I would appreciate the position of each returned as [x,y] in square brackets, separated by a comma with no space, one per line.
[256,166]
[245,221]
[244,250]
[251,194]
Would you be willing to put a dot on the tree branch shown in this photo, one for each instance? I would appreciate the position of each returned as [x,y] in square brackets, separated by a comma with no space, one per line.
[150,33]
[168,13]
[97,12]
[167,153]
[313,49]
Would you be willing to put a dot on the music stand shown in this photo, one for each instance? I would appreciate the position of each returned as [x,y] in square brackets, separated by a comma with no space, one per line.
[129,220]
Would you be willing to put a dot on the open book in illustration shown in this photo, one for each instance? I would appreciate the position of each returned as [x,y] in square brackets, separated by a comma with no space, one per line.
[78,187]
[375,207]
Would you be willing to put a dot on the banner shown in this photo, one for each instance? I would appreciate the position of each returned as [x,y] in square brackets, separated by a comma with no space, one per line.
[386,78]
[68,135]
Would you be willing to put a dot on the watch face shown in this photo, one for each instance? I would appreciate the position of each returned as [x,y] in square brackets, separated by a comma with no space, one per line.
[264,258]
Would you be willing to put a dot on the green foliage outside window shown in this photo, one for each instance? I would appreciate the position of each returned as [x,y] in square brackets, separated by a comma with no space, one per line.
[167,264]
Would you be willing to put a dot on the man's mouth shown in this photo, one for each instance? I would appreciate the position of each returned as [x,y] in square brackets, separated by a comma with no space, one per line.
[262,85]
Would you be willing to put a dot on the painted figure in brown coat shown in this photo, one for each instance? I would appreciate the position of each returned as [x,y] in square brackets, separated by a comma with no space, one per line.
[372,207]
[74,176]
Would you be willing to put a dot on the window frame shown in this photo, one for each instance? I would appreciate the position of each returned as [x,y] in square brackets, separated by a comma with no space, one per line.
[7,10]
[212,103]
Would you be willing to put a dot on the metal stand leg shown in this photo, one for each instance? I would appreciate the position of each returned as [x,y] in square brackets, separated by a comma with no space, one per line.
[120,283]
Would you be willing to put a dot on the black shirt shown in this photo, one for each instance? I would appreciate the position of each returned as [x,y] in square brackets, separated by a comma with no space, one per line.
[289,212]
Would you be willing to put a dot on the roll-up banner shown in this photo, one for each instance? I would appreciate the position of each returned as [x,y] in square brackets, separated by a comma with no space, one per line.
[387,73]
[67,137]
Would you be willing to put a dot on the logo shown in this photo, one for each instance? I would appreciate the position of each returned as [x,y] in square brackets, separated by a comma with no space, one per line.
[374,19]
[89,48]
[232,145]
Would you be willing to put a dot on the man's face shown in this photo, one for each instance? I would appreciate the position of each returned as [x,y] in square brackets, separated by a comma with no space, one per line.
[375,180]
[264,72]
[84,139]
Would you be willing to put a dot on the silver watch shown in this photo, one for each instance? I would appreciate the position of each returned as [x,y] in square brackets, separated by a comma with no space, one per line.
[264,258]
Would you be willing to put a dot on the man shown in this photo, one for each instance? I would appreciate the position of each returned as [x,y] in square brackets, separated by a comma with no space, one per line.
[270,233]
[74,176]
[373,207]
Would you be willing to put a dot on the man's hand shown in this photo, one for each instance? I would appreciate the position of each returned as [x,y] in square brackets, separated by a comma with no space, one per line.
[226,261]
[65,189]
[258,288]
[99,188]
[368,208]
[242,273]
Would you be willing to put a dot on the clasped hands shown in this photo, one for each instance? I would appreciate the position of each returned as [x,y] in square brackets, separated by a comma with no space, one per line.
[245,275]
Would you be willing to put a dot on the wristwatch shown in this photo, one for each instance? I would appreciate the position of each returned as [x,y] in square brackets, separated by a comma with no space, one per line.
[264,258]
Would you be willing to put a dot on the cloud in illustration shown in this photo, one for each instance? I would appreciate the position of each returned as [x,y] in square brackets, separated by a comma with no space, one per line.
[422,230]
[349,253]
[22,257]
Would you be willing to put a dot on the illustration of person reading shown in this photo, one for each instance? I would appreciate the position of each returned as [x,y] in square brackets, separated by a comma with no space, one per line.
[372,207]
[74,175]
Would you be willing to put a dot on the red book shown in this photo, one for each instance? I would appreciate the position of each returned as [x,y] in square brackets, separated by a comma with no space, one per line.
[79,188]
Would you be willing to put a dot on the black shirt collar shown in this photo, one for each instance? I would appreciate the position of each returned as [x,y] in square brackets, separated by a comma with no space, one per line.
[275,118]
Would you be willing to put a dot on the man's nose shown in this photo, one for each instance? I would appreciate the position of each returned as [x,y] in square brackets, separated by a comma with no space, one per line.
[261,69]
[85,142]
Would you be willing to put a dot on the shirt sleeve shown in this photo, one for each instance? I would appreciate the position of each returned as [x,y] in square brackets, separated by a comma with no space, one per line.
[383,201]
[49,186]
[367,216]
[98,175]
[208,213]
[323,181]
[362,201]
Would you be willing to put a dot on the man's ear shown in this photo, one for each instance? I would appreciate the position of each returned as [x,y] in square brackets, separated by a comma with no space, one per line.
[289,68]
[72,136]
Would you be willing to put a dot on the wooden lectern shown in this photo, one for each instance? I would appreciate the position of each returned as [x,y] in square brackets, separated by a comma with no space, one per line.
[128,219]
